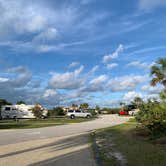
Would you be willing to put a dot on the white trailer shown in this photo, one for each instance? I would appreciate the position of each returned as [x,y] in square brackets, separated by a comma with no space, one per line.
[21,111]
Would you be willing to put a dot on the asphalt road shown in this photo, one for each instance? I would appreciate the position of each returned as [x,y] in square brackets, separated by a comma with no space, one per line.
[20,135]
[66,145]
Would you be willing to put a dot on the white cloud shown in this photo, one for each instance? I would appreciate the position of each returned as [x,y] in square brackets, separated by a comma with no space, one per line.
[22,18]
[151,89]
[68,80]
[20,76]
[138,64]
[151,4]
[36,19]
[2,79]
[49,93]
[94,69]
[129,96]
[14,85]
[95,85]
[114,55]
[99,79]
[141,65]
[18,69]
[112,65]
[49,34]
[74,64]
[126,82]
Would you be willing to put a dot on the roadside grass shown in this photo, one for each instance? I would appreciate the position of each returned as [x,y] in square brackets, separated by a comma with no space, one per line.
[127,144]
[37,123]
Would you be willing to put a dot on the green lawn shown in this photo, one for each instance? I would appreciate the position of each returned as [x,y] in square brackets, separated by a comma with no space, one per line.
[126,145]
[35,123]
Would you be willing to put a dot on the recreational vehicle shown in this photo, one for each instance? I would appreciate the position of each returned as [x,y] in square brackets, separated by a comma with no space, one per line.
[21,111]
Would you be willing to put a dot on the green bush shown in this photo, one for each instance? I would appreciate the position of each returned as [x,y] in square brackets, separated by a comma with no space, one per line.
[111,110]
[37,111]
[92,111]
[152,115]
[57,111]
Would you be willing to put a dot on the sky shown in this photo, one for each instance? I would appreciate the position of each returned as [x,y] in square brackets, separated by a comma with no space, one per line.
[97,51]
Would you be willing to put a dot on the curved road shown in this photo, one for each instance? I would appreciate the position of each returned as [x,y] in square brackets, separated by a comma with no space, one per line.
[63,145]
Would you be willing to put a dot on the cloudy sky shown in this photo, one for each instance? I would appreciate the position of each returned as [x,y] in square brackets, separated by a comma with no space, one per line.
[59,52]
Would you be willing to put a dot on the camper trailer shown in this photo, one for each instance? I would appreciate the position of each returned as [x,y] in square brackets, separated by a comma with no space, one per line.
[21,111]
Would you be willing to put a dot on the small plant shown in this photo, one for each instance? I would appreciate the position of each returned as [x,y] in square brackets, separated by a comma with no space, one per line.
[37,110]
[152,114]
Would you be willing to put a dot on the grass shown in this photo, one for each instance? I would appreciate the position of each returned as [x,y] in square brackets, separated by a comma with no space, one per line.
[132,146]
[37,123]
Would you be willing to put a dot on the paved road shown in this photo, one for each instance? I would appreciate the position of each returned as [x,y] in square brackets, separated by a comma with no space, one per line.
[59,146]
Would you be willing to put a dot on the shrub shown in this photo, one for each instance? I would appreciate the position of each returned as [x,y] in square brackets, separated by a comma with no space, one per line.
[92,111]
[37,111]
[152,115]
[57,111]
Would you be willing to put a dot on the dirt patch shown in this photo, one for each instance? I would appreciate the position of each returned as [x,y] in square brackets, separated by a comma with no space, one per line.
[107,148]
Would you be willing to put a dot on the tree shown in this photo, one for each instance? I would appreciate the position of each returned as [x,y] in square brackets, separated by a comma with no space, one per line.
[4,102]
[97,108]
[84,105]
[122,104]
[37,110]
[20,102]
[74,105]
[158,72]
[57,111]
[137,102]
[163,94]
[153,114]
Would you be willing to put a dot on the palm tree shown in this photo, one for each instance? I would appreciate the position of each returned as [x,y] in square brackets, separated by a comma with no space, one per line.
[84,106]
[158,71]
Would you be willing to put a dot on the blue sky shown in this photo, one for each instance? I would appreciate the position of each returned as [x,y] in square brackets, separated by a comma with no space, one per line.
[69,51]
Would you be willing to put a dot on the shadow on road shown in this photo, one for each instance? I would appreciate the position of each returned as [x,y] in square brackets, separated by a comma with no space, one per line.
[72,151]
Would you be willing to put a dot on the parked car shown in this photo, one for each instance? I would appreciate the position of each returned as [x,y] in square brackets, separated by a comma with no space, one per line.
[129,110]
[133,112]
[78,113]
[124,112]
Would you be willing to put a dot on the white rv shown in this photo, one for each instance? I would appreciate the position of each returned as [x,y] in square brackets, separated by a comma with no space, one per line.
[18,111]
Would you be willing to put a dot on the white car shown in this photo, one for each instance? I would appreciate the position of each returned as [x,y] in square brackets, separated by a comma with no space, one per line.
[78,113]
[133,112]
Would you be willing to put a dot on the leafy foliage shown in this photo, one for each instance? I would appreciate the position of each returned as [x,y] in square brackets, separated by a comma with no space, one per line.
[38,111]
[152,115]
[137,102]
[4,102]
[57,111]
[158,72]
[111,110]
[84,105]
[20,102]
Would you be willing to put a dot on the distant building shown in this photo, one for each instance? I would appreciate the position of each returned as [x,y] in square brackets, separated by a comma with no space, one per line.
[21,111]
[70,108]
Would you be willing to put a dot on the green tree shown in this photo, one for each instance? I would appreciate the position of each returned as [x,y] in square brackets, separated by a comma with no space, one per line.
[163,94]
[74,105]
[4,102]
[57,111]
[97,108]
[37,110]
[158,72]
[153,113]
[84,106]
[20,102]
[122,104]
[137,102]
